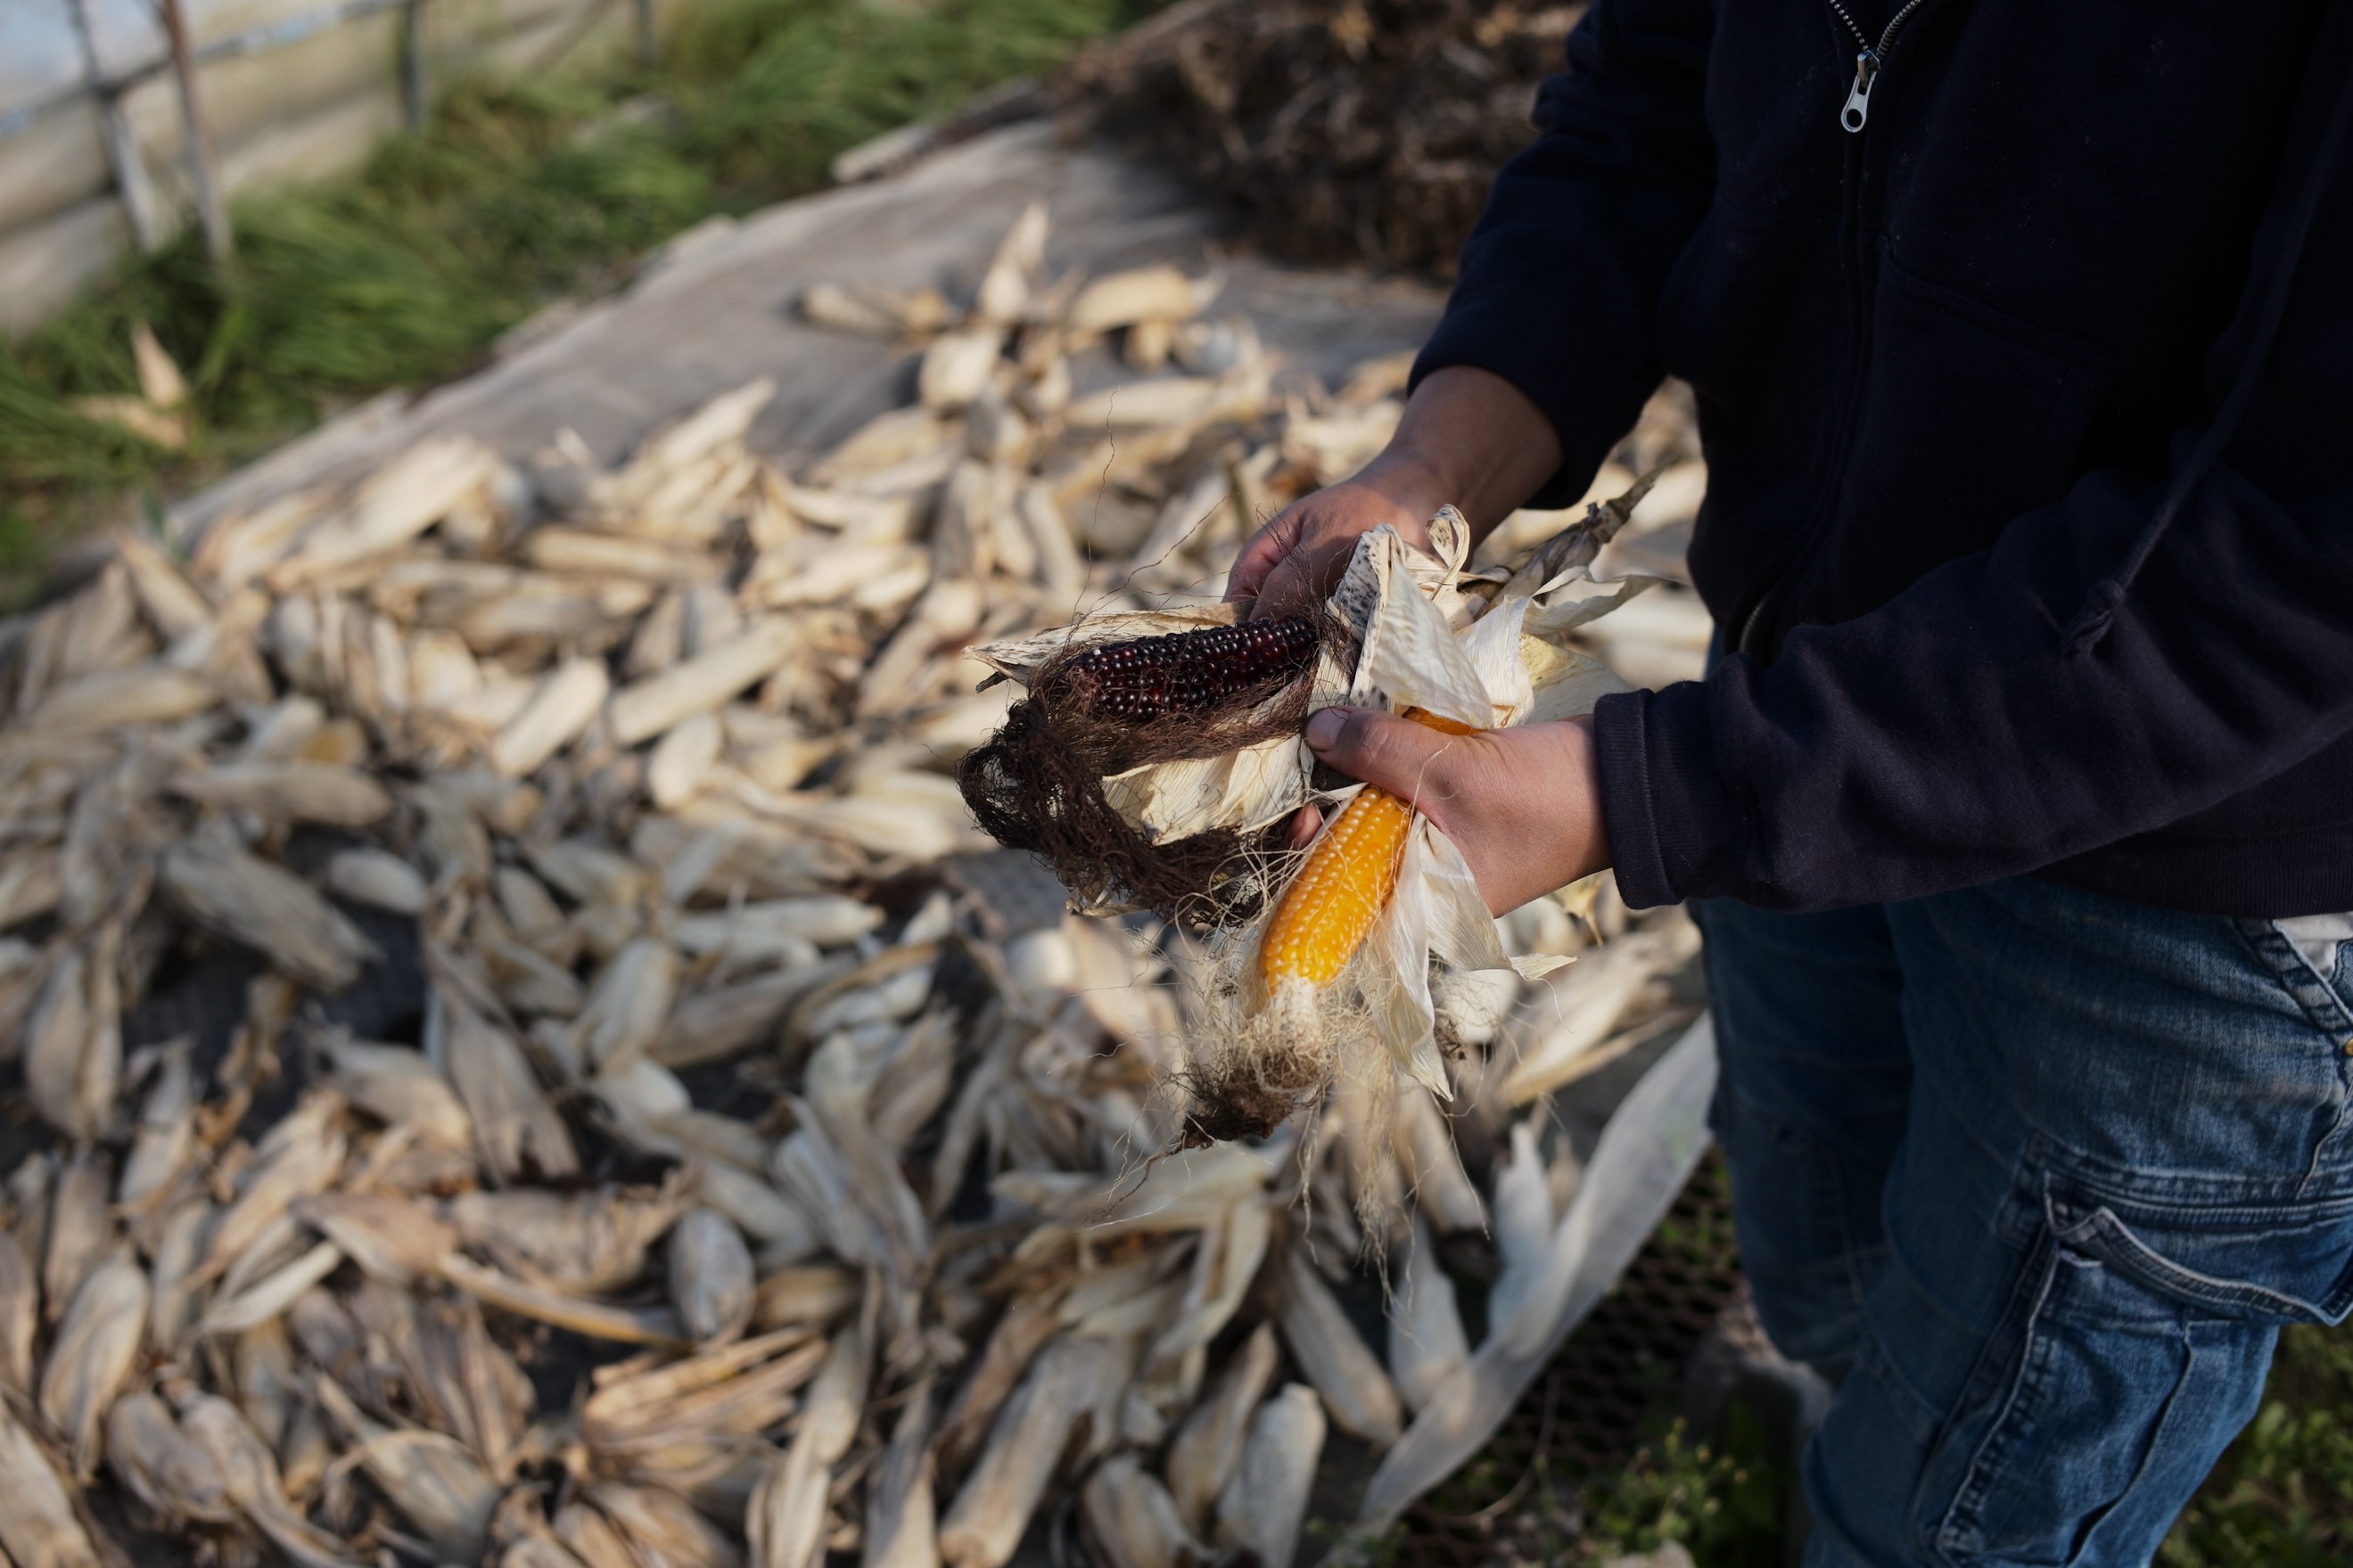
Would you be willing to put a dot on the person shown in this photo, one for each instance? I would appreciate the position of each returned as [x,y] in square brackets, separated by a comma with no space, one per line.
[2017,803]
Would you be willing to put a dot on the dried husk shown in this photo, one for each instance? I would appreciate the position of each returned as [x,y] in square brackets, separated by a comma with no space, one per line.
[711,1283]
[91,1358]
[651,764]
[1265,1504]
[261,906]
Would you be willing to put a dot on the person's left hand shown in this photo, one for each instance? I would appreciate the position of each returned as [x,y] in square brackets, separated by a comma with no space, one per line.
[1523,803]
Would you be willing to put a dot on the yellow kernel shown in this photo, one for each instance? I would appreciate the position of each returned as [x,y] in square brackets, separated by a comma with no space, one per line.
[1330,907]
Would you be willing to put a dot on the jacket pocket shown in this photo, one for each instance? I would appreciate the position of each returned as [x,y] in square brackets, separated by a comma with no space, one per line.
[2140,1334]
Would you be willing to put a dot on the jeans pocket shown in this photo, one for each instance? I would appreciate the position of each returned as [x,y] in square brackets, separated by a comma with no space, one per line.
[2136,1351]
[2315,984]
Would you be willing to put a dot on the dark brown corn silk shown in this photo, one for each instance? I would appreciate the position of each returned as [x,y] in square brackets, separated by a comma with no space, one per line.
[1037,785]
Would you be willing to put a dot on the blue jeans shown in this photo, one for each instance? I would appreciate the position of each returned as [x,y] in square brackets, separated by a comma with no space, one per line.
[2034,1175]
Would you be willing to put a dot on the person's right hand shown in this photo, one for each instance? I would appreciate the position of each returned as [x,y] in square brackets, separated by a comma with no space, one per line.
[1468,437]
[1291,565]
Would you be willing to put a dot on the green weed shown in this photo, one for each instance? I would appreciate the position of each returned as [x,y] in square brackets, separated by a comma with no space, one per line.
[1722,1502]
[2282,1496]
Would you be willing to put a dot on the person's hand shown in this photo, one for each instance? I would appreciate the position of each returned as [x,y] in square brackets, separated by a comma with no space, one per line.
[1523,804]
[1291,565]
[1468,437]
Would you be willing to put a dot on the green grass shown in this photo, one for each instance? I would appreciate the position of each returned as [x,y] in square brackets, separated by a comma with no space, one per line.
[402,273]
[2282,1496]
[1723,1502]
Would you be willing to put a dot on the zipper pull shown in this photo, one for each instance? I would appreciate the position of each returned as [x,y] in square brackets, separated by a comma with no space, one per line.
[1858,97]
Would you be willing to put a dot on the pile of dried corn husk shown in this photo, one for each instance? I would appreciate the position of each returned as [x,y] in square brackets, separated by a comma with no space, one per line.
[1352,133]
[733,1188]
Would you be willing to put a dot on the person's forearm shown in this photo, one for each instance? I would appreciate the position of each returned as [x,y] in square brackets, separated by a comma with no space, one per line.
[1470,439]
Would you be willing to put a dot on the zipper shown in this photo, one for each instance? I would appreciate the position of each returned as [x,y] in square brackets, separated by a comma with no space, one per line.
[1856,112]
[1759,634]
[1760,631]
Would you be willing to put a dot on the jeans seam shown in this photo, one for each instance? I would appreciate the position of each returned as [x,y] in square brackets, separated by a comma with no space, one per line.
[2312,992]
[2187,1284]
[1846,1247]
[2316,996]
[1977,1479]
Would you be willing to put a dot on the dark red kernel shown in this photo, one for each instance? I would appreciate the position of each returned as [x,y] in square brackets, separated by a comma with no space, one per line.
[1150,678]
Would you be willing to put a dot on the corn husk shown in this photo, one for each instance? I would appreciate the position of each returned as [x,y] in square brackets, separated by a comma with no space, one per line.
[112,700]
[437,1485]
[20,1316]
[378,879]
[258,905]
[80,1232]
[1209,1446]
[399,1085]
[1362,1400]
[394,1238]
[1131,1518]
[593,1318]
[73,1049]
[1159,293]
[250,1479]
[878,312]
[562,705]
[1563,1026]
[1265,1504]
[515,1127]
[661,1527]
[728,1059]
[786,1521]
[900,1528]
[40,1526]
[92,1356]
[163,1467]
[1427,1345]
[299,1156]
[710,1275]
[1024,1448]
[701,685]
[591,1241]
[294,791]
[239,1307]
[178,1285]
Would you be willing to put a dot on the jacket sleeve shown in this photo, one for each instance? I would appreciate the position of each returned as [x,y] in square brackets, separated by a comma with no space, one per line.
[1560,282]
[1948,737]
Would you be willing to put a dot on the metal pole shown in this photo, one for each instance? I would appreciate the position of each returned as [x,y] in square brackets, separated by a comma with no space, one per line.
[412,64]
[210,205]
[132,185]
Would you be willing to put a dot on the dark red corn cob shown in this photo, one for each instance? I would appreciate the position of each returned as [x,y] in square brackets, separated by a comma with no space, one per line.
[1189,672]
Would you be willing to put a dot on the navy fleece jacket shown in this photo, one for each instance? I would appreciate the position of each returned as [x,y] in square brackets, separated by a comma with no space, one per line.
[1949,367]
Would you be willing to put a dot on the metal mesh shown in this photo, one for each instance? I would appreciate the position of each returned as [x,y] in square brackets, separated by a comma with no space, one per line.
[1588,1412]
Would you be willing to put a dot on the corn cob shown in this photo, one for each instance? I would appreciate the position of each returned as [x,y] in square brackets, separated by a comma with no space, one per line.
[93,1355]
[710,1275]
[1261,1508]
[1330,907]
[1151,678]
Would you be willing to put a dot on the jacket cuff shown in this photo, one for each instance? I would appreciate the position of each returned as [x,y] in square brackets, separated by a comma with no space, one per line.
[1672,822]
[1531,340]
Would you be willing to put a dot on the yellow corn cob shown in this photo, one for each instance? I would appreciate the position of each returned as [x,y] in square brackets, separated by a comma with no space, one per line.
[1331,905]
